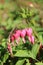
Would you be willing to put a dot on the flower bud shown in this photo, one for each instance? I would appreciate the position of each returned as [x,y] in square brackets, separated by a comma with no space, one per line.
[32,39]
[12,38]
[9,48]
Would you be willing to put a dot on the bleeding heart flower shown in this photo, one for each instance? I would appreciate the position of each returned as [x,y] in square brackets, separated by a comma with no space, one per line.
[9,48]
[29,32]
[12,38]
[23,39]
[32,39]
[29,38]
[23,34]
[17,37]
[18,32]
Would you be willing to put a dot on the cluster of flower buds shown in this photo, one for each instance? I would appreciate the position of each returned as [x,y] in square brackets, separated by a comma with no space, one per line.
[22,34]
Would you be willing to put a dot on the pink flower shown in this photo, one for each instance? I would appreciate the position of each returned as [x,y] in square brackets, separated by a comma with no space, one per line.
[32,39]
[17,37]
[23,39]
[12,38]
[9,48]
[29,38]
[23,34]
[18,32]
[29,32]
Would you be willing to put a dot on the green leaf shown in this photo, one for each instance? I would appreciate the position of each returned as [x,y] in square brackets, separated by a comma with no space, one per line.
[34,51]
[5,57]
[4,43]
[21,53]
[40,29]
[2,31]
[1,63]
[20,62]
[36,18]
[39,63]
[23,15]
[41,39]
[22,9]
[27,62]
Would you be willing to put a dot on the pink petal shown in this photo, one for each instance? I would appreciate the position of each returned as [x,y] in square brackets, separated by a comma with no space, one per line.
[17,40]
[29,32]
[32,39]
[23,39]
[23,33]
[29,38]
[16,35]
[9,48]
[12,38]
[13,43]
[18,32]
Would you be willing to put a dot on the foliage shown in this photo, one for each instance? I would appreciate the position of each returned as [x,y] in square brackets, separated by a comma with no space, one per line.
[14,17]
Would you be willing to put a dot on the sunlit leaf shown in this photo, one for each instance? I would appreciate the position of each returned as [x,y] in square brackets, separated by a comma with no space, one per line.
[34,51]
[21,53]
[39,63]
[28,63]
[20,62]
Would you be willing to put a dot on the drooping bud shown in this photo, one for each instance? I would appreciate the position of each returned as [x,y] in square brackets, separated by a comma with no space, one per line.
[41,46]
[32,39]
[12,38]
[9,48]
